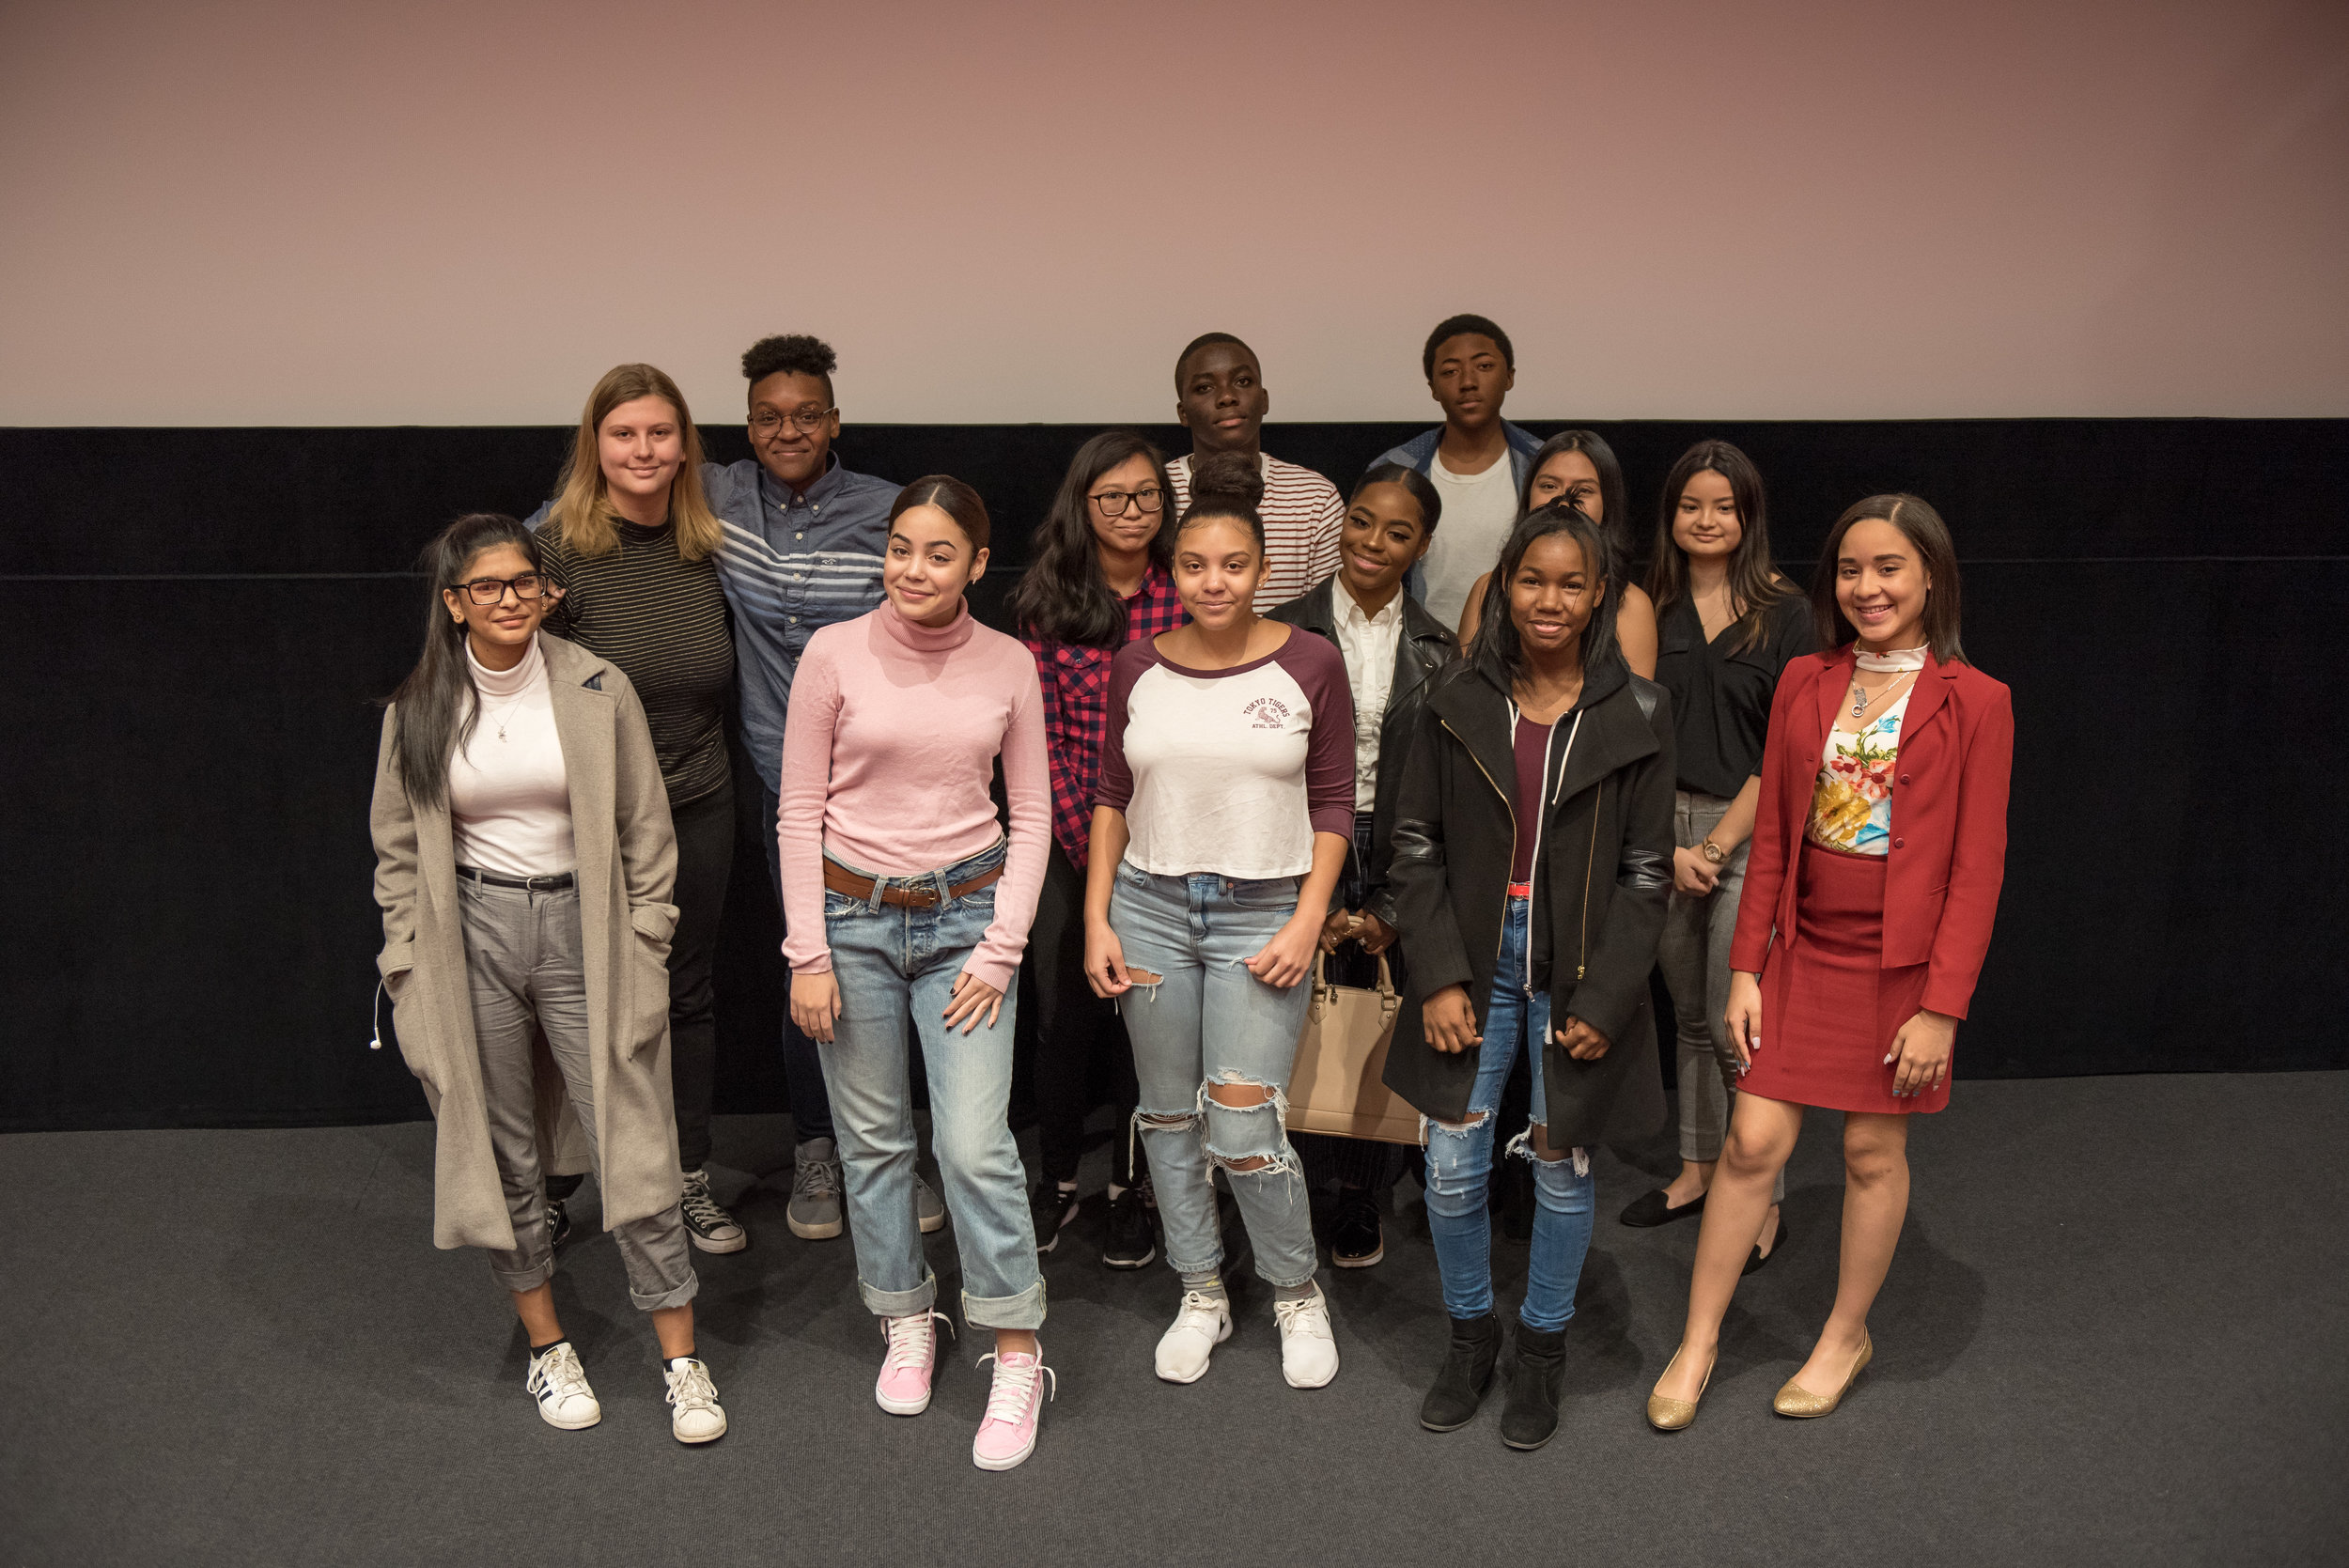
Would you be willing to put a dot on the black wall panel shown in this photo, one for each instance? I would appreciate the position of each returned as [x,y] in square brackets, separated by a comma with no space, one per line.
[195,625]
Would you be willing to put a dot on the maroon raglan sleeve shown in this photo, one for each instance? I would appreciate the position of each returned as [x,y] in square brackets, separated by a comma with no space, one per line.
[1319,670]
[1115,788]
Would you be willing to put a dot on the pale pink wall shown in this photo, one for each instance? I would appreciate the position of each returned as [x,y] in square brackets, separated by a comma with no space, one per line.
[282,212]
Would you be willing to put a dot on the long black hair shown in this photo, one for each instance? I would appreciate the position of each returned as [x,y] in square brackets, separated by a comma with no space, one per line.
[437,705]
[1614,506]
[1496,648]
[1062,595]
[1753,585]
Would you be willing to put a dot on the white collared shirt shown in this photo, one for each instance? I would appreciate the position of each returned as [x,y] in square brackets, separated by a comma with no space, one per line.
[1368,643]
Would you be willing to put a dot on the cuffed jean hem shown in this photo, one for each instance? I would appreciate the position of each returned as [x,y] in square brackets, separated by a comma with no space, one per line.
[900,1303]
[1023,1311]
[665,1299]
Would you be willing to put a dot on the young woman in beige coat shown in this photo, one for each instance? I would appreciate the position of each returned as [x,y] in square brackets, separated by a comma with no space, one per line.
[523,861]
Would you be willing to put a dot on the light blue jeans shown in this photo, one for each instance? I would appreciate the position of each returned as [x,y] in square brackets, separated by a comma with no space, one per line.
[887,958]
[1209,1021]
[1461,1163]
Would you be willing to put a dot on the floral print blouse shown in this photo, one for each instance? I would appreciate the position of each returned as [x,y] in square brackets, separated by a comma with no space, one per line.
[1851,805]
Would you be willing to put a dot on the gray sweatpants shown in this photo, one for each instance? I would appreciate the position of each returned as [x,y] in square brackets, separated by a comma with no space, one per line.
[1693,953]
[524,962]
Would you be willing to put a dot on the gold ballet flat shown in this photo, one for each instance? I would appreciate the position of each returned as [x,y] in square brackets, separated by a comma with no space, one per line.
[1670,1415]
[1795,1400]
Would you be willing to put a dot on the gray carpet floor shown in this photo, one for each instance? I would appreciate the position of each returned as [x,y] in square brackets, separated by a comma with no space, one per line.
[2112,1336]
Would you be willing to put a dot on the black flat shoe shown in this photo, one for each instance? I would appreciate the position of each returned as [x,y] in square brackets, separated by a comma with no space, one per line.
[1649,1208]
[1776,1245]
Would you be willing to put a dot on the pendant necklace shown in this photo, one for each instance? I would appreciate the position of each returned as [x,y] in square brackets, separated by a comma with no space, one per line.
[1897,663]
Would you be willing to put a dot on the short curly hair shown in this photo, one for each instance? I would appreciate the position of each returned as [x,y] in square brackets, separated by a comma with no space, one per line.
[1455,326]
[793,353]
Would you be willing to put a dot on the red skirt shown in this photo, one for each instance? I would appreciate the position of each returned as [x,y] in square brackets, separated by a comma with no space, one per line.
[1829,1007]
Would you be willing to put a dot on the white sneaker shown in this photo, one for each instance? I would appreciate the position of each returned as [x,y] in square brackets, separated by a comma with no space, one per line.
[695,1416]
[560,1385]
[1308,1351]
[1204,1322]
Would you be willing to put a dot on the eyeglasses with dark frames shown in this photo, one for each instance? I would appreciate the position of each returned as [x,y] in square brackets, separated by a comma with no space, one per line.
[1114,503]
[768,421]
[491,590]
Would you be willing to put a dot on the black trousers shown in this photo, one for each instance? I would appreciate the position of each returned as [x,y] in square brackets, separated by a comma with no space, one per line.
[1076,1030]
[705,859]
[803,1068]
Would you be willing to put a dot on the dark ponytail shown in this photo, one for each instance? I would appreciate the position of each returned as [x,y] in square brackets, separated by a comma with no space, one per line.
[437,705]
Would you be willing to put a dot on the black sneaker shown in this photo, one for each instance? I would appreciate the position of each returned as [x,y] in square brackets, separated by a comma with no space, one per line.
[708,1227]
[558,1223]
[1134,1237]
[1356,1238]
[1051,1205]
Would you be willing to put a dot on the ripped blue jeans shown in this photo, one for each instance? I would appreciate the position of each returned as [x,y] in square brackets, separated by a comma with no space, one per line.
[1461,1163]
[1208,1023]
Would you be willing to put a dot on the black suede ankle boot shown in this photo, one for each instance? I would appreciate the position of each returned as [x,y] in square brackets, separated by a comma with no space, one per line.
[1531,1417]
[1466,1374]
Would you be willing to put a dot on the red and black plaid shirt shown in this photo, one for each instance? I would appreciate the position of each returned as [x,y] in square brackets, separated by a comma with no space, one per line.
[1076,682]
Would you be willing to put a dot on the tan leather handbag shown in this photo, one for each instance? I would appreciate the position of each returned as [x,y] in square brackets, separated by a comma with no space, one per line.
[1337,1084]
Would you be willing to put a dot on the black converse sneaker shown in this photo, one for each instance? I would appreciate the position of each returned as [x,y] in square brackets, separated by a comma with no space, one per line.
[711,1227]
[559,1384]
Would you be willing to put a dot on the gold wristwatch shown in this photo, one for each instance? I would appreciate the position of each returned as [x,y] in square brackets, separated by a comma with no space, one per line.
[1713,853]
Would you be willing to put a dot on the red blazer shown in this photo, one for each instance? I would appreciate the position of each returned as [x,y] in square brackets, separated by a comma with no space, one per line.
[1949,819]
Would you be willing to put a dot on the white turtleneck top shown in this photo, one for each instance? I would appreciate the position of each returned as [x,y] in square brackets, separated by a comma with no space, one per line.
[510,799]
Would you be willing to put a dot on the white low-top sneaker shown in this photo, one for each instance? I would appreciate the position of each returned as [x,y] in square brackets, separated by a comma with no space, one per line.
[1308,1351]
[695,1415]
[559,1384]
[1204,1322]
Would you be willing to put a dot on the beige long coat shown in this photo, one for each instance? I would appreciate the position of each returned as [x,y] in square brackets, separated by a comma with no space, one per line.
[627,865]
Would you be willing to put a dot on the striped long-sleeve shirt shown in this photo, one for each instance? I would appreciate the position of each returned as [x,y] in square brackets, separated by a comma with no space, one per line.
[792,564]
[1303,514]
[663,620]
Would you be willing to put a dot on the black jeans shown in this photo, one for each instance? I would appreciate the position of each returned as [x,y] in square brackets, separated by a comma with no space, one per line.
[704,859]
[803,1068]
[1074,1028]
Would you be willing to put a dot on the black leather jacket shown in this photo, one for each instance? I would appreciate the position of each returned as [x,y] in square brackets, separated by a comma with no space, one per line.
[1424,648]
[1602,875]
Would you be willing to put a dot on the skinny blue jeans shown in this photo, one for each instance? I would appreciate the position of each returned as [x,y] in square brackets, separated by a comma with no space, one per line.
[885,958]
[1208,1021]
[1461,1163]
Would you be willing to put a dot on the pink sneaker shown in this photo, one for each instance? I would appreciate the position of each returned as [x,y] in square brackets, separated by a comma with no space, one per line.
[904,1386]
[1008,1435]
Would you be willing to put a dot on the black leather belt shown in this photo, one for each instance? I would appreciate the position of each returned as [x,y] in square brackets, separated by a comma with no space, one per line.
[528,884]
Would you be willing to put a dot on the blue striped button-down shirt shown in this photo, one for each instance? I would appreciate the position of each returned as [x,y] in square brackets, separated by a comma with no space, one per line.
[790,565]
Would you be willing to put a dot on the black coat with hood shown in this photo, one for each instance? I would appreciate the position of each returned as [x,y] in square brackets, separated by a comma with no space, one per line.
[1602,875]
[1424,648]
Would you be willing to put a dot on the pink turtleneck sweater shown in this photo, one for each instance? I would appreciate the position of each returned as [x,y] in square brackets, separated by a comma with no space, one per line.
[887,755]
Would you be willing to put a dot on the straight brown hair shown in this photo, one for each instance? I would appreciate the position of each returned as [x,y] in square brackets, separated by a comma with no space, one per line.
[951,496]
[1922,527]
[582,509]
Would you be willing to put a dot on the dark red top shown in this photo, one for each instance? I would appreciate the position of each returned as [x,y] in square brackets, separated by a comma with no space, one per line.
[1948,858]
[1533,742]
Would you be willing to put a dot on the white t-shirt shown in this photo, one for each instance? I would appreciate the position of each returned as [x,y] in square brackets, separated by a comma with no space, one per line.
[1479,509]
[1231,771]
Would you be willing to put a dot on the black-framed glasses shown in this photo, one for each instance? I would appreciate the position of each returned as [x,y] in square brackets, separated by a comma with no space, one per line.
[768,421]
[490,590]
[1113,503]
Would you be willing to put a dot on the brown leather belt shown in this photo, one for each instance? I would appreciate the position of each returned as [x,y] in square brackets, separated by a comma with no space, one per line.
[839,878]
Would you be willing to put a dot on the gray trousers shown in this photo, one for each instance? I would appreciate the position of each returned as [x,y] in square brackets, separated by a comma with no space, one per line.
[524,963]
[1693,953]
